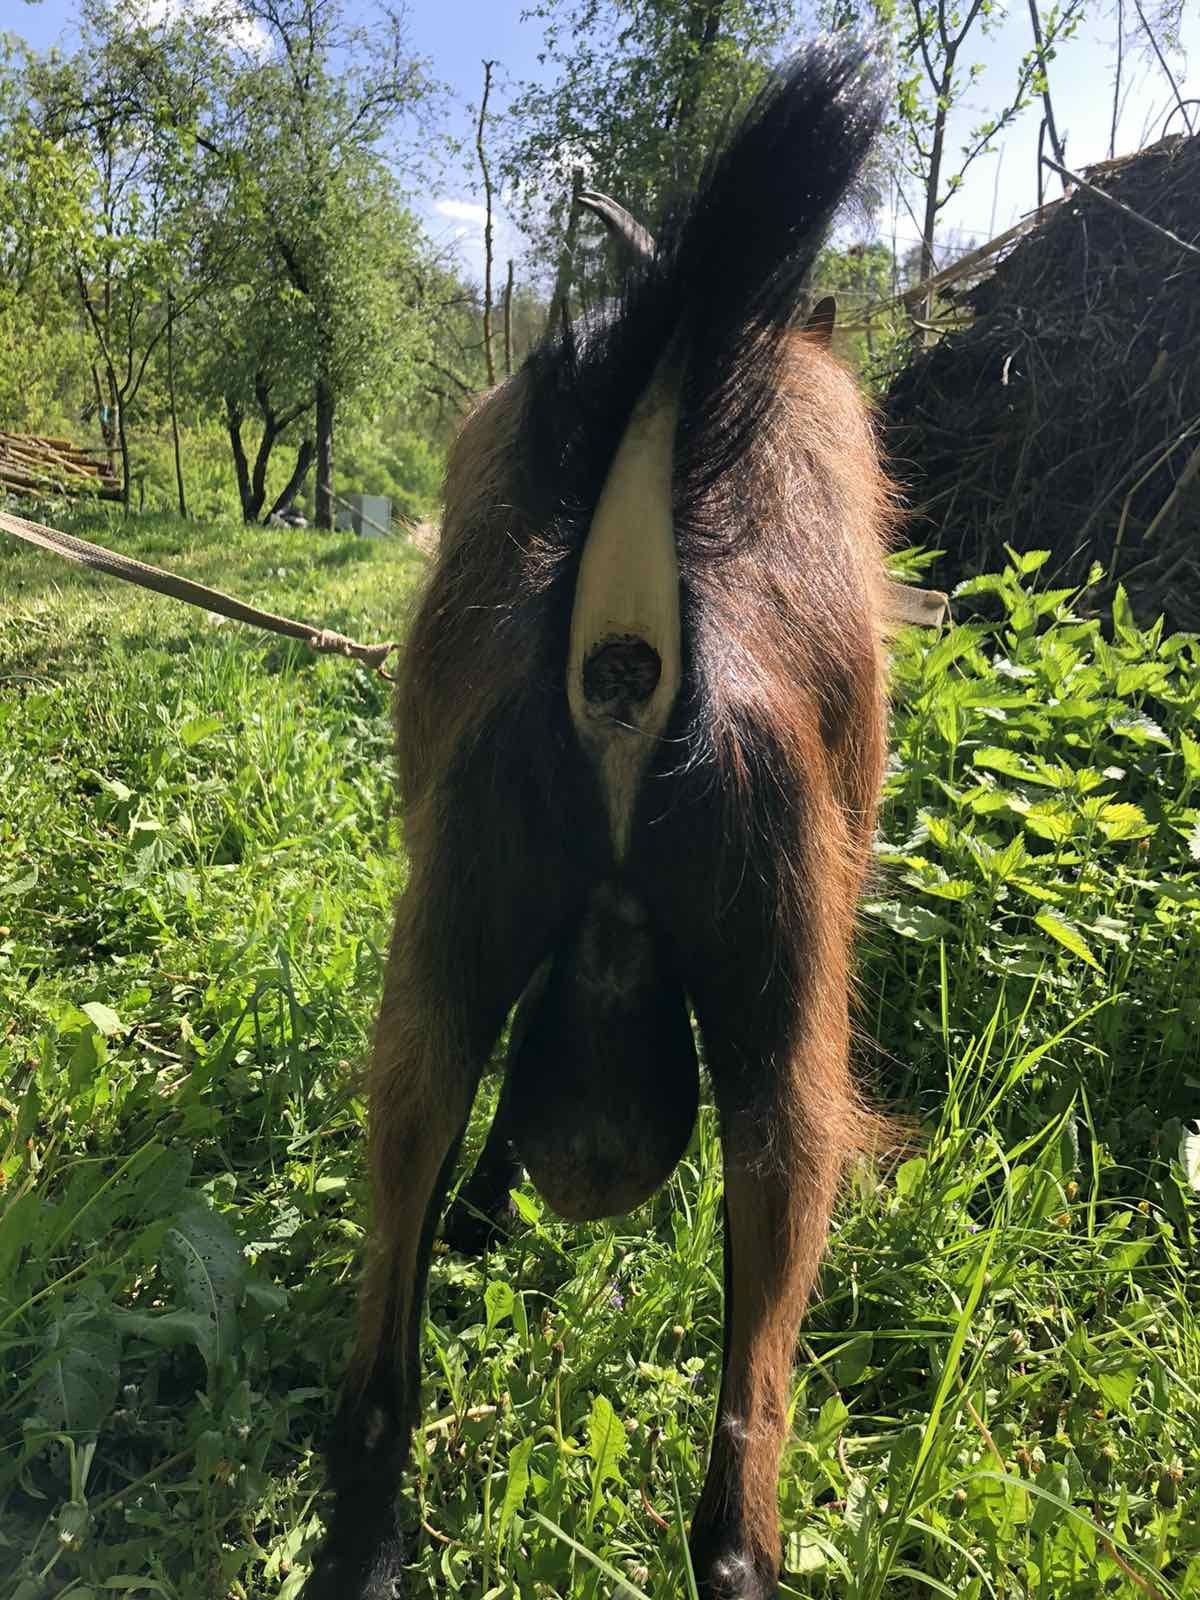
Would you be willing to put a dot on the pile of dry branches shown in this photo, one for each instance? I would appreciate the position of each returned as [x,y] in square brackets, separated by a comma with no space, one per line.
[32,467]
[1065,414]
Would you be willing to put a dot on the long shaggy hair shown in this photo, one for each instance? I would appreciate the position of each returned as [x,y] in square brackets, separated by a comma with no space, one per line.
[730,884]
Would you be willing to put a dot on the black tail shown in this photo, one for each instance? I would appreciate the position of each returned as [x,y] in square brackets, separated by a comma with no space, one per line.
[739,253]
[726,276]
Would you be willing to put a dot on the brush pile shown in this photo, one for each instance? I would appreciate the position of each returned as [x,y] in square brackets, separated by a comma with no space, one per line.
[1065,413]
[35,468]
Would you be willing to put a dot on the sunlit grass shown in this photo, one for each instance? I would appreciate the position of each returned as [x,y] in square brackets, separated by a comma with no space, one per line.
[999,1391]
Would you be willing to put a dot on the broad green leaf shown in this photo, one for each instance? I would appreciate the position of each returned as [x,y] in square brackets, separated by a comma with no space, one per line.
[809,1552]
[607,1442]
[910,921]
[196,728]
[1121,820]
[995,759]
[527,1207]
[1122,614]
[1128,1253]
[1054,1482]
[77,1386]
[1116,1376]
[999,1501]
[909,1175]
[831,1421]
[1047,819]
[517,1486]
[945,888]
[1189,1157]
[1069,937]
[22,883]
[498,1300]
[104,1017]
[204,1263]
[168,1330]
[1138,727]
[854,1360]
[1027,561]
[1191,754]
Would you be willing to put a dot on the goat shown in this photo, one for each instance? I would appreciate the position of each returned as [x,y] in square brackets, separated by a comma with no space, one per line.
[641,725]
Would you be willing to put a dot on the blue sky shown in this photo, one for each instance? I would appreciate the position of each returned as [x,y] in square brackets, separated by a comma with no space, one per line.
[457,35]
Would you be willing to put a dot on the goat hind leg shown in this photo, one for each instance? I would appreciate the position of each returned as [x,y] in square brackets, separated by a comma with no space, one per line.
[483,1210]
[777,1207]
[423,1078]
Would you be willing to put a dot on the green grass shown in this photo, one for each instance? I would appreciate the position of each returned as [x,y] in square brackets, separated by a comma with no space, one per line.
[999,1391]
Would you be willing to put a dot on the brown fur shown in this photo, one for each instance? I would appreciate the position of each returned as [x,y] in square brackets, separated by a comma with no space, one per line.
[749,848]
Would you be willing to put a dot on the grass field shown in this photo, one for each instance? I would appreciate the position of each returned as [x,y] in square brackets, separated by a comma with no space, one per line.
[999,1391]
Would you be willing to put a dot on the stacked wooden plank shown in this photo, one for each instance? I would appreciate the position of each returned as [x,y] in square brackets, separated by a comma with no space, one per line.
[33,467]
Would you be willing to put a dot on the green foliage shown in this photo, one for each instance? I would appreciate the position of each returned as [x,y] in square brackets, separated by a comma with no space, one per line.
[395,460]
[997,1393]
[872,335]
[189,225]
[641,91]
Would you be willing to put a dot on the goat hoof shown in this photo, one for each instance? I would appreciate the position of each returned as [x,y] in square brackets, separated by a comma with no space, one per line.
[342,1575]
[726,1570]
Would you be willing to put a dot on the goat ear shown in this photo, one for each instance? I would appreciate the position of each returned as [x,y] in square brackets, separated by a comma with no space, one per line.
[821,319]
[629,234]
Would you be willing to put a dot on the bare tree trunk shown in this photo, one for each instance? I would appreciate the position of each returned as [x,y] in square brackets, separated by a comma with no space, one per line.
[324,495]
[508,348]
[123,442]
[174,408]
[566,257]
[271,429]
[1051,126]
[103,418]
[1116,109]
[703,33]
[932,183]
[488,355]
[233,424]
[304,460]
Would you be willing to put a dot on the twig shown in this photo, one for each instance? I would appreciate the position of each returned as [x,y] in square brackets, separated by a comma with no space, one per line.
[475,1414]
[658,1521]
[1116,105]
[1191,470]
[508,340]
[1162,61]
[1119,205]
[1130,1573]
[985,1431]
[489,357]
[440,1537]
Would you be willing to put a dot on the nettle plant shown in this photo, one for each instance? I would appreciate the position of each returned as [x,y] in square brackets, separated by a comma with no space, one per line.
[1043,827]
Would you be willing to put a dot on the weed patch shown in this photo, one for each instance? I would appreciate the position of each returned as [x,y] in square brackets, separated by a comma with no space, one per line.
[999,1390]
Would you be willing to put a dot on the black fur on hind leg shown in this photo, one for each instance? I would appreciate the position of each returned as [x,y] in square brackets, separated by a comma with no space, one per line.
[482,1212]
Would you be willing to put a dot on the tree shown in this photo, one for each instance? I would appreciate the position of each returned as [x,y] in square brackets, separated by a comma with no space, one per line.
[642,90]
[43,196]
[310,116]
[117,247]
[933,41]
[289,114]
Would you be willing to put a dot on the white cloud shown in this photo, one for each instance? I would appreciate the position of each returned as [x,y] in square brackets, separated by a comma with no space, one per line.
[458,225]
[461,210]
[241,30]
